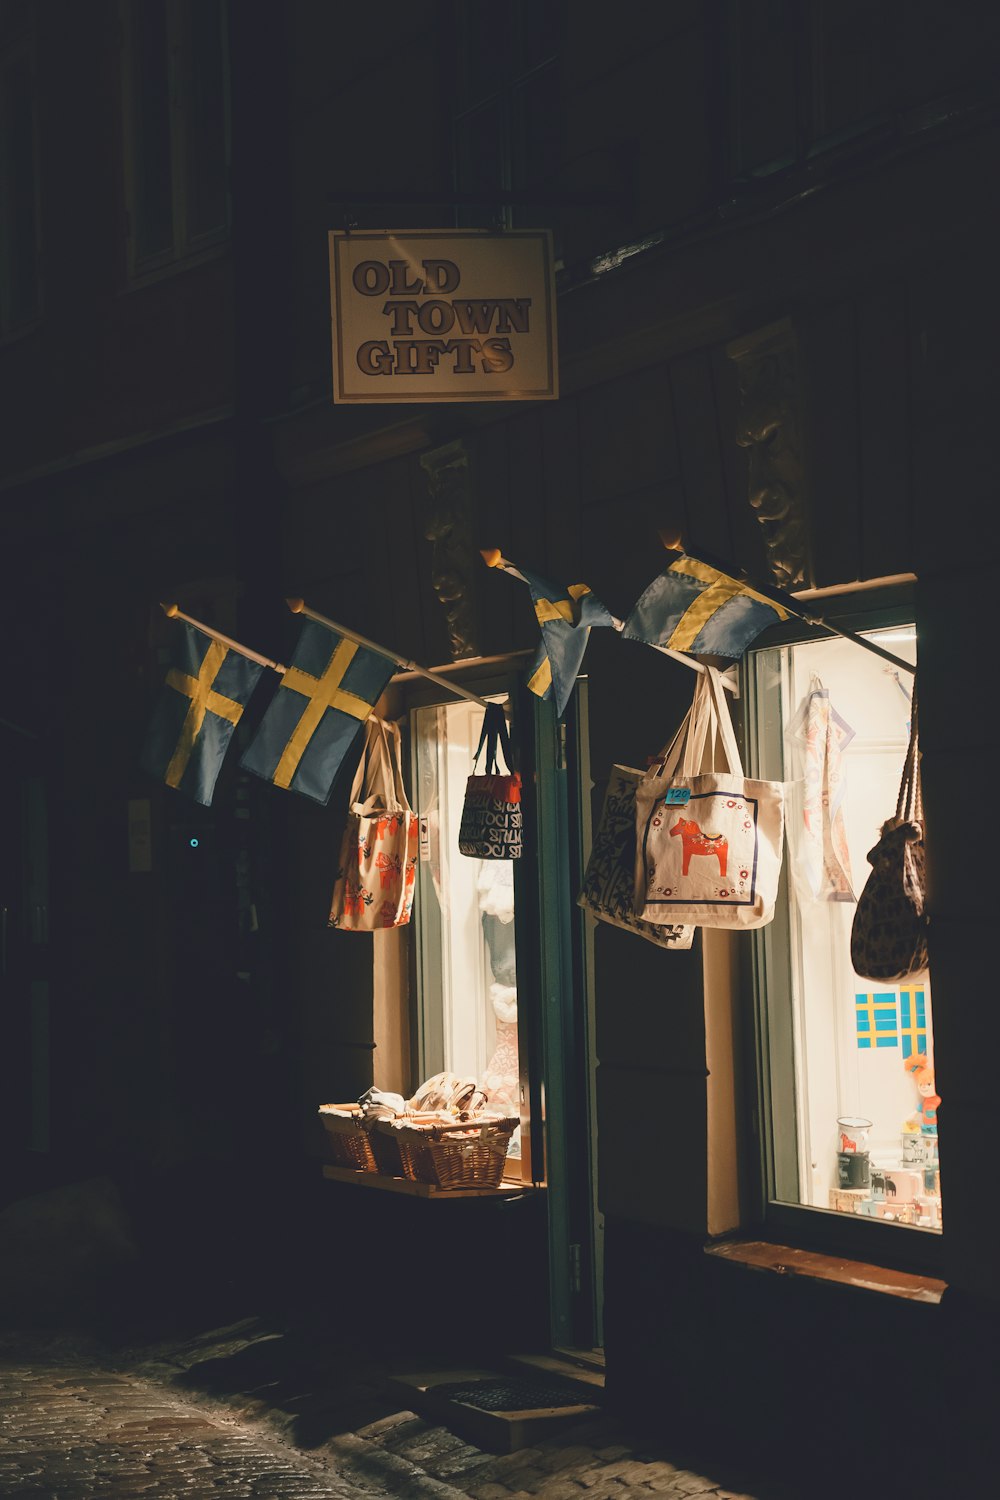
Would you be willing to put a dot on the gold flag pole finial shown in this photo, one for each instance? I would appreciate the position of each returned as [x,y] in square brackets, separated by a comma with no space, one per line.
[299,607]
[174,613]
[673,541]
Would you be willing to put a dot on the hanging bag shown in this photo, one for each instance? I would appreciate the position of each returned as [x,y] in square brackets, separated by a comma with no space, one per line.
[378,853]
[610,877]
[889,932]
[491,815]
[708,841]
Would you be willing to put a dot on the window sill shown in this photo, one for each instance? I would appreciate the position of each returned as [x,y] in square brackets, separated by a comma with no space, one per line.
[406,1188]
[787,1260]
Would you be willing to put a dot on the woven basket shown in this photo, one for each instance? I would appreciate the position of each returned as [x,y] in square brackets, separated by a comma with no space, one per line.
[347,1141]
[386,1149]
[453,1156]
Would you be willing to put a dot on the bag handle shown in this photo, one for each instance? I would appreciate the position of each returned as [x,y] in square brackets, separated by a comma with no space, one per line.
[394,748]
[727,734]
[676,751]
[376,781]
[494,736]
[359,776]
[909,804]
[707,723]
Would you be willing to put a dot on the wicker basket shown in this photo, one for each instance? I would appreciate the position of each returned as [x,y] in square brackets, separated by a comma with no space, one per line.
[469,1155]
[347,1141]
[386,1149]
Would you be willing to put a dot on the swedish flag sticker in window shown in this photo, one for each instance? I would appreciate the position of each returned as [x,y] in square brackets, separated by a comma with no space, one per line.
[877,1022]
[913,1021]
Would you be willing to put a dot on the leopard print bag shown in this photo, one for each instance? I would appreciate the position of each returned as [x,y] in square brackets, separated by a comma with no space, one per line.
[889,933]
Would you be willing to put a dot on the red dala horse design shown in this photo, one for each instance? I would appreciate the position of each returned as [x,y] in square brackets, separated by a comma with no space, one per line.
[696,842]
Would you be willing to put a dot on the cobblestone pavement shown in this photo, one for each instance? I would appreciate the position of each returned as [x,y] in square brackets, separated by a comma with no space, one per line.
[254,1411]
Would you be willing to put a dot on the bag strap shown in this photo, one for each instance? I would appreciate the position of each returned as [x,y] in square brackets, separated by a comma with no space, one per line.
[394,747]
[705,733]
[724,722]
[675,751]
[909,804]
[359,776]
[494,735]
[377,771]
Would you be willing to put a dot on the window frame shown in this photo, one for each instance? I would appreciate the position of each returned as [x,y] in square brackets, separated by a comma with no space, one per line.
[807,1225]
[503,94]
[186,249]
[496,679]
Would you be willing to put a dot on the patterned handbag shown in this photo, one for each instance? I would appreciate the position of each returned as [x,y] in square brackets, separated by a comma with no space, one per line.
[491,815]
[378,853]
[608,883]
[889,933]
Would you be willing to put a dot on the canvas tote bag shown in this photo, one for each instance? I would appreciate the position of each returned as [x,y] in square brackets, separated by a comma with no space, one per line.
[889,932]
[378,853]
[708,840]
[491,825]
[610,877]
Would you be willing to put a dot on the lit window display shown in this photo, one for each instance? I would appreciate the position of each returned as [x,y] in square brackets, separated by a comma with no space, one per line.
[464,918]
[849,1071]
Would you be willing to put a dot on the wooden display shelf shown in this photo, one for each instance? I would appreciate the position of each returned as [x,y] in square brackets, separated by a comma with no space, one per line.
[788,1260]
[418,1189]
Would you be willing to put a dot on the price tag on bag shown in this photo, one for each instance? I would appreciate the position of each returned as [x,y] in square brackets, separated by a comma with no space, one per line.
[677,796]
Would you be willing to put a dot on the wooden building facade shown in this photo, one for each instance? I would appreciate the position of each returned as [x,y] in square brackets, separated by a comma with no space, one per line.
[776,275]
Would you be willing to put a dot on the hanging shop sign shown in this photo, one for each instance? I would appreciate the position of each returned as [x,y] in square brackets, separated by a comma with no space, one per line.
[443,315]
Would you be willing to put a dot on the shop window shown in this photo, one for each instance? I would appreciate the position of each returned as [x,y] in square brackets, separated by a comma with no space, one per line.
[466,960]
[177,130]
[506,118]
[848,1104]
[805,78]
[19,292]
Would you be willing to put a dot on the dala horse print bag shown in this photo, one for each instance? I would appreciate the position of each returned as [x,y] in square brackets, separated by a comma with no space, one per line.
[708,841]
[378,853]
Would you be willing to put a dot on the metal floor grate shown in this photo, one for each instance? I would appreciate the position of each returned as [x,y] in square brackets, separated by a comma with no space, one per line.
[512,1393]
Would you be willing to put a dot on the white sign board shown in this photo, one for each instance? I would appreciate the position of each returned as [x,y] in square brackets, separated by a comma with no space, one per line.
[443,315]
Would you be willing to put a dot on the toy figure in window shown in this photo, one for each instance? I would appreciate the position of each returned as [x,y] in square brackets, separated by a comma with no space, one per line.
[925,1118]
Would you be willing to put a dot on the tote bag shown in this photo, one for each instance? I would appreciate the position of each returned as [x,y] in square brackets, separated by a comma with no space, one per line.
[610,876]
[889,932]
[708,841]
[378,853]
[491,814]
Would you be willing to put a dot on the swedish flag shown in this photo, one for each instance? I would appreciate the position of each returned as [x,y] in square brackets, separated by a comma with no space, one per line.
[203,699]
[566,617]
[694,607]
[876,1020]
[913,1021]
[317,713]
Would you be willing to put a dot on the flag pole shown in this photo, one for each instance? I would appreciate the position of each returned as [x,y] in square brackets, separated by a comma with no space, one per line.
[173,613]
[673,542]
[299,607]
[493,558]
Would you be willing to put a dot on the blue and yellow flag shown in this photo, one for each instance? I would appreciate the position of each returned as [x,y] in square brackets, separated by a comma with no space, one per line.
[566,617]
[694,607]
[318,711]
[913,1021]
[204,696]
[876,1020]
